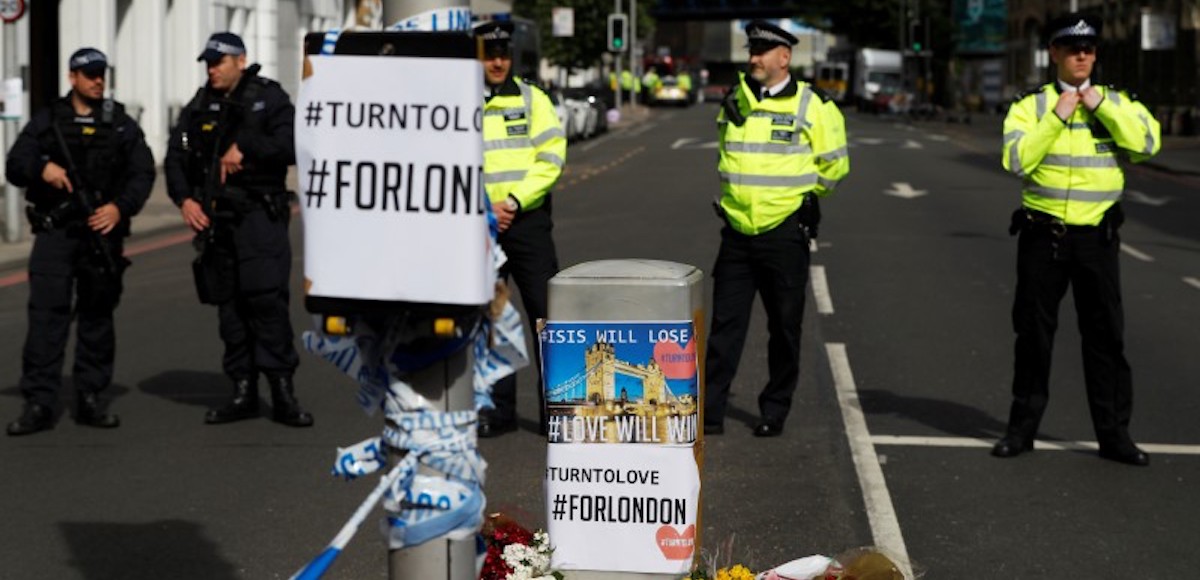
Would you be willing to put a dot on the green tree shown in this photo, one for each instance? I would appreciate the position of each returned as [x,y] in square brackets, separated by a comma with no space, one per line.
[591,29]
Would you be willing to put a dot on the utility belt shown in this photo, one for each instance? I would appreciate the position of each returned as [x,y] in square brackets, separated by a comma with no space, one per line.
[236,202]
[1032,220]
[61,216]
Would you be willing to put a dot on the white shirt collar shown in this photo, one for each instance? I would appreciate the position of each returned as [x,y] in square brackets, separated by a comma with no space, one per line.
[1068,88]
[776,89]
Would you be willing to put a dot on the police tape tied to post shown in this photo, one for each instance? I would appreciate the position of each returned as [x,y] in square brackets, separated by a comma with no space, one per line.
[622,484]
[394,209]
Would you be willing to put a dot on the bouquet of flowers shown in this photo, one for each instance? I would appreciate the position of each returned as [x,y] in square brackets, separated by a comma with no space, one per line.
[719,565]
[515,553]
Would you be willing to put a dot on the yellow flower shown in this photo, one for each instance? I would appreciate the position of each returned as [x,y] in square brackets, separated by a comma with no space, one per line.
[738,572]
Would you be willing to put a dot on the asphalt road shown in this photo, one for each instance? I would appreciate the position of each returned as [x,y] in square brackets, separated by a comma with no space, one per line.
[912,328]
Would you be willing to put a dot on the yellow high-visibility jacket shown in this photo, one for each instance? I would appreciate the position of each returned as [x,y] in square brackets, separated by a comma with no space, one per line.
[787,148]
[524,146]
[1071,169]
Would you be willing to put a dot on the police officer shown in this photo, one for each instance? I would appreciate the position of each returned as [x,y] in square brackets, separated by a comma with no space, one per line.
[226,164]
[525,149]
[781,144]
[88,172]
[1065,140]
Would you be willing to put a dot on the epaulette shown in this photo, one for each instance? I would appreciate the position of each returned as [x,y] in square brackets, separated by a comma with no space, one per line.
[1028,92]
[1132,95]
[825,98]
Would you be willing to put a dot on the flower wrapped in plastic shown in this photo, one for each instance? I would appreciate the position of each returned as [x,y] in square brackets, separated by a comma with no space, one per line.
[514,552]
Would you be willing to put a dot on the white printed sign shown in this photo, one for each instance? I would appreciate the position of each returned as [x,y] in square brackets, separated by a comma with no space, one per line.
[622,507]
[389,156]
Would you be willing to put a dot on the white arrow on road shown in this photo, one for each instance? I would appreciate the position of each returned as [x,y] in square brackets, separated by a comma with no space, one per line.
[693,143]
[1138,197]
[910,144]
[905,191]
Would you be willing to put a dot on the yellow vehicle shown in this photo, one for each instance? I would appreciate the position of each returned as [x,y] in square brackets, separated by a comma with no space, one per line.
[832,78]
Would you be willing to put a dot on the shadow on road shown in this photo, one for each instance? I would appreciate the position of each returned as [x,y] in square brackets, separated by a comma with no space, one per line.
[945,416]
[164,549]
[197,388]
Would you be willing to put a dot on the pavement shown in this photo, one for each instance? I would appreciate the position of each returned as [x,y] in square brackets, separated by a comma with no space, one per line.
[1179,156]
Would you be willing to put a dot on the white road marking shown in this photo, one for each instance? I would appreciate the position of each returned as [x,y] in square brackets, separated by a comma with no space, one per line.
[820,288]
[683,142]
[1193,282]
[911,144]
[594,142]
[904,190]
[640,130]
[885,527]
[937,137]
[965,442]
[869,140]
[1138,254]
[1138,197]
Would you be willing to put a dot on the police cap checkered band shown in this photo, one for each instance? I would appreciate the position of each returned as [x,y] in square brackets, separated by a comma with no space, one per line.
[761,32]
[1073,26]
[494,31]
[221,44]
[87,58]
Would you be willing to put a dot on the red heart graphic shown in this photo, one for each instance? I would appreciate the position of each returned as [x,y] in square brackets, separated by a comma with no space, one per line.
[674,545]
[676,362]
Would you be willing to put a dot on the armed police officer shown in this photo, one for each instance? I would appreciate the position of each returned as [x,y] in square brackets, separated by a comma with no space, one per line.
[87,171]
[226,166]
[525,149]
[781,144]
[1065,140]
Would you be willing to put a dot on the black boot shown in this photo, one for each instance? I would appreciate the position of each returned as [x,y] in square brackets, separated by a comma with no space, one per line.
[243,405]
[89,413]
[34,418]
[284,406]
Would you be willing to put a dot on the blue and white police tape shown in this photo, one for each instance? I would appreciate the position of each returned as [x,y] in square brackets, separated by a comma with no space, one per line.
[317,567]
[329,43]
[434,508]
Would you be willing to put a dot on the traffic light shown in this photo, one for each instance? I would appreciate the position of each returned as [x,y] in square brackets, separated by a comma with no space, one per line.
[917,35]
[618,29]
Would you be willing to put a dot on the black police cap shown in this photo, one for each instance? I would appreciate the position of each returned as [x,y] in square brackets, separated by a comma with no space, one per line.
[221,44]
[763,34]
[496,36]
[1073,27]
[89,60]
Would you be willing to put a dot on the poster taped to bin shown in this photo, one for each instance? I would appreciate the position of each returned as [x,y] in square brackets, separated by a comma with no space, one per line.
[620,382]
[390,179]
[622,507]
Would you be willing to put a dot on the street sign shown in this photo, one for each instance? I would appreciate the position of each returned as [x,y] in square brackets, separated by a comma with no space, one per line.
[11,10]
[562,21]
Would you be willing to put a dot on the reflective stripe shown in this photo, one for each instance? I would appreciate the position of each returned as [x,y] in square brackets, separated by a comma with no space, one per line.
[783,118]
[504,176]
[551,158]
[497,112]
[1078,126]
[805,97]
[1149,135]
[1041,104]
[547,135]
[517,143]
[1009,136]
[828,183]
[527,97]
[1115,96]
[768,180]
[1074,194]
[835,154]
[1077,161]
[1014,157]
[779,148]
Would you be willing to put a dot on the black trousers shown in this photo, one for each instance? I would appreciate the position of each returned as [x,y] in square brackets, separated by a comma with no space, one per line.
[54,298]
[256,326]
[775,264]
[532,261]
[1087,261]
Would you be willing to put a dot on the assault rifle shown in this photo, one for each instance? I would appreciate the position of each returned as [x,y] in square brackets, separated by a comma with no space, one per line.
[99,250]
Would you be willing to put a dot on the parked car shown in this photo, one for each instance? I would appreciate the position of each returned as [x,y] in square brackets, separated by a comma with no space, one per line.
[566,117]
[596,121]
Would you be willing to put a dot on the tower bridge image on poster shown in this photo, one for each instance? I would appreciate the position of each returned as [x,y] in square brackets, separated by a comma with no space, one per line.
[623,382]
